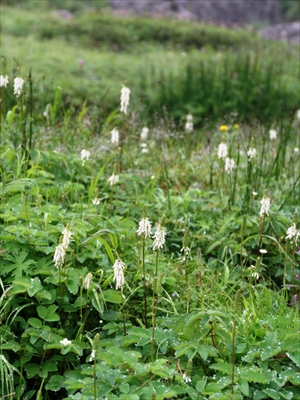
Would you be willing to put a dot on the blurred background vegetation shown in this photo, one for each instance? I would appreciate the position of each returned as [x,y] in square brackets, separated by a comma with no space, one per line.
[171,67]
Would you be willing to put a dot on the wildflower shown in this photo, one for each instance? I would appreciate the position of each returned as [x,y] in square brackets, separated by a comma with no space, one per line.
[254,193]
[296,150]
[3,81]
[189,123]
[229,164]
[113,179]
[251,153]
[222,150]
[186,378]
[92,356]
[125,92]
[159,237]
[67,234]
[65,342]
[223,128]
[85,155]
[145,150]
[88,280]
[119,274]
[18,86]
[144,133]
[292,233]
[265,206]
[262,251]
[115,136]
[59,255]
[96,201]
[236,126]
[273,134]
[144,227]
[185,250]
[253,272]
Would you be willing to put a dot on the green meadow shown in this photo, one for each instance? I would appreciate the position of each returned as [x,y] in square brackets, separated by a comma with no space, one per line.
[150,191]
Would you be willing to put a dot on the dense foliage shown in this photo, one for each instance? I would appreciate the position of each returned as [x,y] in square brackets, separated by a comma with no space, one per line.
[152,262]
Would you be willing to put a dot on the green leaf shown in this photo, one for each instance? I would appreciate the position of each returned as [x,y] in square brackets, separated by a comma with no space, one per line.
[244,387]
[200,385]
[253,374]
[295,357]
[55,383]
[272,393]
[72,286]
[52,317]
[112,296]
[42,311]
[35,322]
[35,287]
[31,370]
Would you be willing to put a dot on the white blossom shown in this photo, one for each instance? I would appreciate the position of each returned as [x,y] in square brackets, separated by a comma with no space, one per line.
[96,201]
[92,356]
[273,134]
[159,237]
[144,227]
[59,256]
[3,80]
[186,378]
[144,133]
[115,137]
[85,155]
[18,86]
[88,280]
[222,150]
[296,150]
[189,126]
[119,274]
[229,164]
[113,179]
[251,153]
[263,251]
[67,234]
[65,342]
[125,92]
[254,272]
[265,206]
[292,233]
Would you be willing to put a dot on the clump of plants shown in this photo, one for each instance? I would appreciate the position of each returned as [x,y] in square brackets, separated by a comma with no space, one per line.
[150,261]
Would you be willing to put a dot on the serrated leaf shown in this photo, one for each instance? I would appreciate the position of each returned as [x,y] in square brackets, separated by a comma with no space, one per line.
[272,393]
[253,374]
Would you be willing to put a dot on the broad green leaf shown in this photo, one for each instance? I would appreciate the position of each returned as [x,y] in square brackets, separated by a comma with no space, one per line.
[112,296]
[42,311]
[35,322]
[55,383]
[35,286]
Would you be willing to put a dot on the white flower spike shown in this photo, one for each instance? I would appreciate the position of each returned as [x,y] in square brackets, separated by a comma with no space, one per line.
[18,86]
[144,228]
[222,150]
[265,206]
[119,274]
[125,93]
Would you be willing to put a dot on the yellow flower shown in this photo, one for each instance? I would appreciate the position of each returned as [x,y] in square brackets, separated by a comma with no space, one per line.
[236,126]
[223,128]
